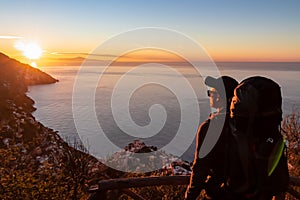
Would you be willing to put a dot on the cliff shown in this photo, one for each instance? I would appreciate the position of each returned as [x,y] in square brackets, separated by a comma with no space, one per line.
[15,106]
[33,158]
[14,79]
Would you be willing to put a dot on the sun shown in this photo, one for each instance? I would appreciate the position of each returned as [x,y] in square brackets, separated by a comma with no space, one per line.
[33,64]
[30,50]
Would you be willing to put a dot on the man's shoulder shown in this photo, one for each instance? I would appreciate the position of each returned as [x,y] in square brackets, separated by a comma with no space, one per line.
[205,123]
[212,117]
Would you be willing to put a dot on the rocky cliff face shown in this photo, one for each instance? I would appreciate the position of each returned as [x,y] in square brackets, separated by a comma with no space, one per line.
[29,149]
[13,70]
[16,121]
[14,79]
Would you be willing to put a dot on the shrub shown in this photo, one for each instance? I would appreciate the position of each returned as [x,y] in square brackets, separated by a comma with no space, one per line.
[291,127]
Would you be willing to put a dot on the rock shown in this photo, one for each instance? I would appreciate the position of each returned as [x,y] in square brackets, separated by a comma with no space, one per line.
[181,167]
[139,147]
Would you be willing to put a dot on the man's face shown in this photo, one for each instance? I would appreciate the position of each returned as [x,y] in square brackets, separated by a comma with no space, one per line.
[214,98]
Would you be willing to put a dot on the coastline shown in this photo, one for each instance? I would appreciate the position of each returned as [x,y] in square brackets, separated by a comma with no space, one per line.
[31,151]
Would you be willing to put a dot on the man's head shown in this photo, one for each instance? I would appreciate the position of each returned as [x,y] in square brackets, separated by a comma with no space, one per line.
[221,91]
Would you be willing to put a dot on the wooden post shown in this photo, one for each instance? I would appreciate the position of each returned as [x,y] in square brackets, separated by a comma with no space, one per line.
[143,182]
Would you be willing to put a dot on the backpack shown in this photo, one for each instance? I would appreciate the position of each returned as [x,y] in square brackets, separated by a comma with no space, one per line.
[256,151]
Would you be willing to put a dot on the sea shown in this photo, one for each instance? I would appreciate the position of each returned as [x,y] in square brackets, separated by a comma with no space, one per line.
[156,104]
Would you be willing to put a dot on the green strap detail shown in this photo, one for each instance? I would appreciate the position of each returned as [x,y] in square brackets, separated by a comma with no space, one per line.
[275,156]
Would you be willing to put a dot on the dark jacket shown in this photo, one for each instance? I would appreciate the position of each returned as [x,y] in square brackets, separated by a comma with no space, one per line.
[213,164]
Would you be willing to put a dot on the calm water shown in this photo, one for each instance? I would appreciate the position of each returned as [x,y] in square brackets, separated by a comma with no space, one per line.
[54,101]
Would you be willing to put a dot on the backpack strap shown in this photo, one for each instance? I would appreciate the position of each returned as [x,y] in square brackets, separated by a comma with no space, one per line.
[276,155]
[244,154]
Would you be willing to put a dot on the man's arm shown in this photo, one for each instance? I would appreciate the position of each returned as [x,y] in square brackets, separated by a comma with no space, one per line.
[200,168]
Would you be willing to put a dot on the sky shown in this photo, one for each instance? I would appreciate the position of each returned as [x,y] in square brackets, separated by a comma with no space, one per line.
[233,30]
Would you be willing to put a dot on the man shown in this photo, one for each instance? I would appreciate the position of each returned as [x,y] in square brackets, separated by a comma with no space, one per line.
[208,172]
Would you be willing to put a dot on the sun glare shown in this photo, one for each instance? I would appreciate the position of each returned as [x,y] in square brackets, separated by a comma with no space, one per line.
[33,64]
[30,50]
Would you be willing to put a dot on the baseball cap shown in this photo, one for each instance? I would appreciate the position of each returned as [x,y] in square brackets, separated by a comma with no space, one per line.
[224,82]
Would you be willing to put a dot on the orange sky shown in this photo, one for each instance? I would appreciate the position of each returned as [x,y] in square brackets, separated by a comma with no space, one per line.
[217,53]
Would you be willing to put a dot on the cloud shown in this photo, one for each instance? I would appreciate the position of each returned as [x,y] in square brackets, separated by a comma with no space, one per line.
[9,37]
[84,54]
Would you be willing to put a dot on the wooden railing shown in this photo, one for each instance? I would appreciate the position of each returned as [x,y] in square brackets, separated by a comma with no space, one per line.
[123,184]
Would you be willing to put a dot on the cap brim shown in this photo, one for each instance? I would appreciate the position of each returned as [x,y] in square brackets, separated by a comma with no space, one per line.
[211,82]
